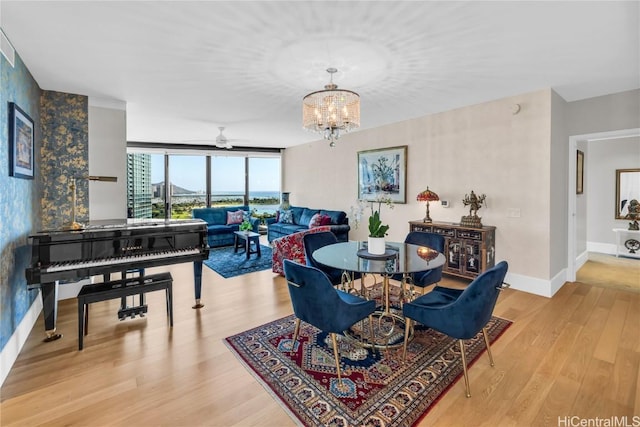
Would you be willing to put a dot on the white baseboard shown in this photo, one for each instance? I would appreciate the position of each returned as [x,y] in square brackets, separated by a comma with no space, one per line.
[533,285]
[528,284]
[12,349]
[557,281]
[582,259]
[603,248]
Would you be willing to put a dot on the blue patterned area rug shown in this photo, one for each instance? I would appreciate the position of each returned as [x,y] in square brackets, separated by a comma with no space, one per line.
[378,389]
[228,264]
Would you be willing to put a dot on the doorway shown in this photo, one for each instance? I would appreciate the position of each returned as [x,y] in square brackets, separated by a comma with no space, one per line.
[575,260]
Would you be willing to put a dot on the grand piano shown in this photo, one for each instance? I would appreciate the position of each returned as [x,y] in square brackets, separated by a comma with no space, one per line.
[110,246]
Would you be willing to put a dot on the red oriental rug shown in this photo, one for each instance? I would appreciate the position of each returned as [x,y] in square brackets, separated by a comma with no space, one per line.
[380,390]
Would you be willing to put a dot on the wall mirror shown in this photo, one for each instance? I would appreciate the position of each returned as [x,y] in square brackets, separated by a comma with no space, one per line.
[627,189]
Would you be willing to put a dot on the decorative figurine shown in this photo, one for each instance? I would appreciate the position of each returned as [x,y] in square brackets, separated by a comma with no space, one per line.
[475,203]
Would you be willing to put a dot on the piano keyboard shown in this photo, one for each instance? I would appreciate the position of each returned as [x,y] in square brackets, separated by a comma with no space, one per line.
[73,265]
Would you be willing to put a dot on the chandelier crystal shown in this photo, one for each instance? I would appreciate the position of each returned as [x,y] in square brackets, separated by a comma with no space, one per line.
[331,111]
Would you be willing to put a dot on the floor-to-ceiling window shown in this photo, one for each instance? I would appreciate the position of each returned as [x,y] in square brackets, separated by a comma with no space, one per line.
[158,200]
[227,180]
[139,185]
[188,190]
[264,184]
[234,179]
[145,185]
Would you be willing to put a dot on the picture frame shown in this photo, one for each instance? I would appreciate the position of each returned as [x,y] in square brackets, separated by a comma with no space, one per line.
[382,173]
[21,143]
[579,172]
[627,190]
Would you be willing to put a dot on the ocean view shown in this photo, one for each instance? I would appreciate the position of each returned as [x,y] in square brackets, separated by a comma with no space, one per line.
[260,201]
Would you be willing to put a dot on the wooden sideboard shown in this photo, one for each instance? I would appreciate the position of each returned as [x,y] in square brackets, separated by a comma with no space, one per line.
[469,251]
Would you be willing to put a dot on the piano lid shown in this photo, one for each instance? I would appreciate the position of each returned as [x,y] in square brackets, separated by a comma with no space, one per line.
[126,223]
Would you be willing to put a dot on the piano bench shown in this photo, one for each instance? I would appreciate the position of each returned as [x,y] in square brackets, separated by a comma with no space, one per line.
[120,289]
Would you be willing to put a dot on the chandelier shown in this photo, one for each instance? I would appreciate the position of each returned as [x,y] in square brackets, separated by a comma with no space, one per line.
[331,111]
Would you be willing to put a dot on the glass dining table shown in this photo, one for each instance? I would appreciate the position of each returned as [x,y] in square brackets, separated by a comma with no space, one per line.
[398,259]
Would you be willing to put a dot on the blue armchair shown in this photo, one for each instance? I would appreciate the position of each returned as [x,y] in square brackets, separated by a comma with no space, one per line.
[317,302]
[313,242]
[461,314]
[424,278]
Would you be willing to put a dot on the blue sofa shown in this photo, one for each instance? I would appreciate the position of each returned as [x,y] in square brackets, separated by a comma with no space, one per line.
[220,233]
[339,223]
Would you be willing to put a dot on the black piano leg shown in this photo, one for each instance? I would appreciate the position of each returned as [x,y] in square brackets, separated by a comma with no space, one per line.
[50,309]
[197,276]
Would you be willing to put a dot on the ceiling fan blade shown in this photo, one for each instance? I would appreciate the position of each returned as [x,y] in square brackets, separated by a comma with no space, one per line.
[208,142]
[221,140]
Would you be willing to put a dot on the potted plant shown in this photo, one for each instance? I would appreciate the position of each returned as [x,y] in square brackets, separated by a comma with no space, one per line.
[245,226]
[377,231]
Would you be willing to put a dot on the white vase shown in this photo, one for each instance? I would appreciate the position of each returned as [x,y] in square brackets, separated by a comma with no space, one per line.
[285,202]
[376,245]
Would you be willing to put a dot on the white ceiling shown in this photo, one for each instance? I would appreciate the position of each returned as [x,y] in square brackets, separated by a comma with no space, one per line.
[185,68]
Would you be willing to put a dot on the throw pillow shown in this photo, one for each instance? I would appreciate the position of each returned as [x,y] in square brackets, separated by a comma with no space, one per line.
[316,221]
[286,217]
[235,217]
[325,220]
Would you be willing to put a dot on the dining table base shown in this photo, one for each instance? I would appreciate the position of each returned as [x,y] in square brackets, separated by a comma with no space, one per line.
[388,321]
[388,331]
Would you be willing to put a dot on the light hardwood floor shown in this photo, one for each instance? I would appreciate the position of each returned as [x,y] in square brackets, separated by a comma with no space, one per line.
[576,354]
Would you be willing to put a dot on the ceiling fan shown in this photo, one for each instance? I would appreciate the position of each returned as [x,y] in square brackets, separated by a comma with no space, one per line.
[221,140]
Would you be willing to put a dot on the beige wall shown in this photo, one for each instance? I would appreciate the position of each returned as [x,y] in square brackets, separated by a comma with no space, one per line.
[485,148]
[107,157]
[558,192]
[604,113]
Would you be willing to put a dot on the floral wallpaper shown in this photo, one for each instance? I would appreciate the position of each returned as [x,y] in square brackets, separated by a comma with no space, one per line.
[19,200]
[64,153]
[31,205]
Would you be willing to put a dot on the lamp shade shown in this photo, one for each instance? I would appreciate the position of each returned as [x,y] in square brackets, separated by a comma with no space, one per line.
[427,196]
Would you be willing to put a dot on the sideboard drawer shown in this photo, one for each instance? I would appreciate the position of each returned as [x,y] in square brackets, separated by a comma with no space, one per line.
[469,234]
[422,227]
[449,232]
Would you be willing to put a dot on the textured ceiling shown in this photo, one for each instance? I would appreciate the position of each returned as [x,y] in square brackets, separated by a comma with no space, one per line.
[185,68]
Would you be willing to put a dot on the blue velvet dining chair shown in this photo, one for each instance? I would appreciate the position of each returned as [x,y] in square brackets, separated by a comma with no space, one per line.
[458,313]
[313,242]
[426,278]
[317,302]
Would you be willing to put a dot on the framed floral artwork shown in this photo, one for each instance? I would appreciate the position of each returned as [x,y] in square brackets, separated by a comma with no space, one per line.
[21,143]
[383,173]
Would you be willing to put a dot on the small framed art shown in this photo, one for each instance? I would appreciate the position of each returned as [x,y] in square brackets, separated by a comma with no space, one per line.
[579,172]
[21,143]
